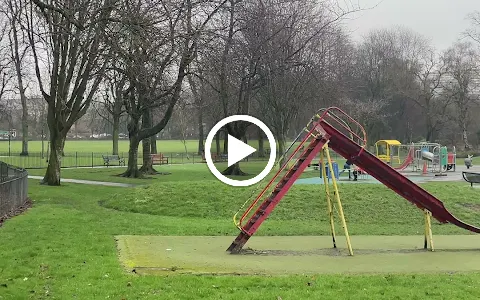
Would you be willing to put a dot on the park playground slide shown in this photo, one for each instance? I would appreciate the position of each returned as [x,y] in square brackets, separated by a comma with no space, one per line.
[321,134]
[407,160]
[390,177]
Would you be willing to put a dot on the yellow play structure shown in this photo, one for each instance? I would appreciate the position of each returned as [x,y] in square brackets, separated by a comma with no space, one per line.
[388,149]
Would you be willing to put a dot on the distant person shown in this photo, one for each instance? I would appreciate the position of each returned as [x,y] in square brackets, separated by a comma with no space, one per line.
[347,166]
[468,161]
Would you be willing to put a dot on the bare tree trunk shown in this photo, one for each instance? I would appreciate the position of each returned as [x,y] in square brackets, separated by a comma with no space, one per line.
[465,136]
[217,143]
[52,175]
[147,167]
[17,59]
[24,124]
[201,147]
[132,165]
[153,144]
[281,147]
[62,151]
[115,132]
[234,170]
[225,142]
[261,150]
[132,169]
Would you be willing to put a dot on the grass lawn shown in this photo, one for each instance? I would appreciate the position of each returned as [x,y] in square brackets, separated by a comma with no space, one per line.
[100,146]
[105,146]
[64,247]
[182,172]
[89,153]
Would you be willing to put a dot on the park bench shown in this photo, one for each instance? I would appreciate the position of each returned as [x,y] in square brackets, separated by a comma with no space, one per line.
[111,158]
[471,177]
[159,159]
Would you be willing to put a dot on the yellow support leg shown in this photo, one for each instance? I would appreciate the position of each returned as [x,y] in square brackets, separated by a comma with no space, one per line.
[329,199]
[428,230]
[339,202]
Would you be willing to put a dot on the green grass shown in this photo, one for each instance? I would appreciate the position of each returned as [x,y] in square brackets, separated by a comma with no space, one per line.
[89,153]
[371,209]
[64,248]
[183,172]
[99,146]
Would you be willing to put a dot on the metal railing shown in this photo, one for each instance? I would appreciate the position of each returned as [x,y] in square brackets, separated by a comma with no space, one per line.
[35,160]
[13,189]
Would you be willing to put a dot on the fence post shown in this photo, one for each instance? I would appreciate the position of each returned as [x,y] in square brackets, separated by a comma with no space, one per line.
[76,159]
[92,159]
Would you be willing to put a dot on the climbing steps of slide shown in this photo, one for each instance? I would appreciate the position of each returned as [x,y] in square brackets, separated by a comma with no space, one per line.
[278,192]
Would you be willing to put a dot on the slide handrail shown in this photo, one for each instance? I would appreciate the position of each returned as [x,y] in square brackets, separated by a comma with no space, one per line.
[335,114]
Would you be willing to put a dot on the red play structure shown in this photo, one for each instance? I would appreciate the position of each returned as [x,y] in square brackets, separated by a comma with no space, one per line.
[346,137]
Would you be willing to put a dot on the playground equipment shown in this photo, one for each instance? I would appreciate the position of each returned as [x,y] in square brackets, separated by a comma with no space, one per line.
[424,156]
[388,150]
[332,128]
[435,156]
[408,161]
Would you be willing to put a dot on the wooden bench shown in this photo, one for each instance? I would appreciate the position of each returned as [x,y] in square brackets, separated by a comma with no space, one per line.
[471,177]
[111,158]
[159,159]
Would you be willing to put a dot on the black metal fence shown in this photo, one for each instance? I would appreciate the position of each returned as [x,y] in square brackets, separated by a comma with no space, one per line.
[13,188]
[94,159]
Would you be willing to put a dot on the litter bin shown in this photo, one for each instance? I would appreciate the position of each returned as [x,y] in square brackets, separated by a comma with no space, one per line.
[336,171]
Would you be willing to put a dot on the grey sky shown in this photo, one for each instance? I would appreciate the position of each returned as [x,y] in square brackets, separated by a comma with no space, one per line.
[442,21]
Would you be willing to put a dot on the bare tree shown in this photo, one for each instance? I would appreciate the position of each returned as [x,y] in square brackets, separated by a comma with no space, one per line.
[184,121]
[18,51]
[303,64]
[5,65]
[474,31]
[197,86]
[110,108]
[426,91]
[463,83]
[155,45]
[71,36]
[261,39]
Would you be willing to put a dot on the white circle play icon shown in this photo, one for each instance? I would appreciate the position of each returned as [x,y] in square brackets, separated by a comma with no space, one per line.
[238,150]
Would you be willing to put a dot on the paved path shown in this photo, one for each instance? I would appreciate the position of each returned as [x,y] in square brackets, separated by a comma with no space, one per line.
[103,183]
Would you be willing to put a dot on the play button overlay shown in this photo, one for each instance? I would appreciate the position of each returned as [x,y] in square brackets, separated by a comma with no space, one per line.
[238,150]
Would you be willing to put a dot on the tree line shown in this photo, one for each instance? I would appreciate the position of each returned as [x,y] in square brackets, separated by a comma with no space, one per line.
[146,65]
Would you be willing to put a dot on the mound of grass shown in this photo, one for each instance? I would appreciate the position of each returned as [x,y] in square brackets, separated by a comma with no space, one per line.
[64,248]
[366,206]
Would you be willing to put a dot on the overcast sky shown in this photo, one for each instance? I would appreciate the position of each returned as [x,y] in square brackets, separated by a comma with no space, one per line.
[442,21]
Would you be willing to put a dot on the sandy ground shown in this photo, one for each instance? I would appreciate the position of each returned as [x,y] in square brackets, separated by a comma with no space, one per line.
[166,255]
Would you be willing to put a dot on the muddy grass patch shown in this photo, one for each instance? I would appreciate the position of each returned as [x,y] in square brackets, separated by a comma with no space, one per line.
[472,206]
[16,211]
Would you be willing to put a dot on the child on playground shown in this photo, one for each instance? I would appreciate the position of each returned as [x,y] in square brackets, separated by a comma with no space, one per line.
[347,166]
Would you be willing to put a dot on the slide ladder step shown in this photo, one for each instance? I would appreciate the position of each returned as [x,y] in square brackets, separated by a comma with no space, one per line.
[268,205]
